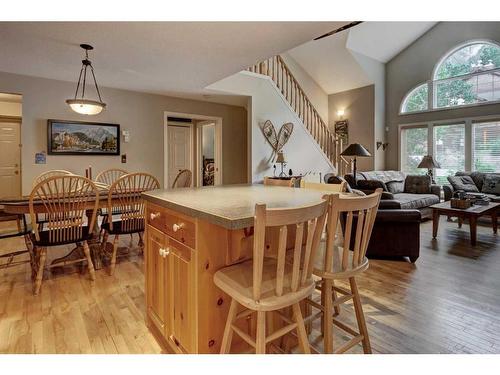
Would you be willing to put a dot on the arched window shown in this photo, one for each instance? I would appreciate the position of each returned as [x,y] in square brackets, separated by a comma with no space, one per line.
[416,100]
[469,74]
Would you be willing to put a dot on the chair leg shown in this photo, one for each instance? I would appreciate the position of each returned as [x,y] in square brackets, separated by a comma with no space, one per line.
[260,340]
[327,319]
[141,241]
[113,256]
[360,317]
[336,308]
[90,265]
[225,347]
[104,241]
[42,255]
[301,329]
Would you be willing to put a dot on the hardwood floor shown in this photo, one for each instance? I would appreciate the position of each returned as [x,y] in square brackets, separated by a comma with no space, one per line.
[448,302]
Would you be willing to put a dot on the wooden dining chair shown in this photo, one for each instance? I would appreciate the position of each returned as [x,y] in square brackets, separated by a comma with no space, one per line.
[345,261]
[108,176]
[48,174]
[66,202]
[338,188]
[269,181]
[124,197]
[263,285]
[183,179]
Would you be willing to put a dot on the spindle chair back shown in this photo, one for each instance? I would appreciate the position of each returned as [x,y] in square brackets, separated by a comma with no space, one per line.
[108,176]
[338,188]
[183,179]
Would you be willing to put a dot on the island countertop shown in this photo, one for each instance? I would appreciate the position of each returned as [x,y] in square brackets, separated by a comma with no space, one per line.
[231,206]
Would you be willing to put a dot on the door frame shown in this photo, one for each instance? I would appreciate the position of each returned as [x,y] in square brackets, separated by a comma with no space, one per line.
[218,136]
[19,120]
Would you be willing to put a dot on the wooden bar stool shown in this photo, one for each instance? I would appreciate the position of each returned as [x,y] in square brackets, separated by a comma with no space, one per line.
[268,181]
[343,262]
[264,284]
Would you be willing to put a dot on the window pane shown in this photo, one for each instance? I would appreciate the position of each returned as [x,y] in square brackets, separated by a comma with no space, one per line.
[413,149]
[473,58]
[486,147]
[416,100]
[449,146]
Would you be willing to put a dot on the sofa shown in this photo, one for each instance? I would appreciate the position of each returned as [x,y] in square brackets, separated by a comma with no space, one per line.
[404,191]
[474,183]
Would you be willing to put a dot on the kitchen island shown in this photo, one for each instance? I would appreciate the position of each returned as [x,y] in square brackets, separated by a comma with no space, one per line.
[190,234]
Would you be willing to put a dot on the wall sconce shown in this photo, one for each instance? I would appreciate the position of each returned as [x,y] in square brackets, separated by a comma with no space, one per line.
[340,113]
[384,145]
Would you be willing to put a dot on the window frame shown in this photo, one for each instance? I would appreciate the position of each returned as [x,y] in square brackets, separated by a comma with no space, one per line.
[432,83]
[468,123]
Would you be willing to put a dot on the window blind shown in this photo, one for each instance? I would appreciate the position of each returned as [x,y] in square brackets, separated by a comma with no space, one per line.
[486,146]
[449,150]
[413,149]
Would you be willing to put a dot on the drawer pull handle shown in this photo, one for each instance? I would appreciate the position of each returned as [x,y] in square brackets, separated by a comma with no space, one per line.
[164,252]
[154,215]
[176,227]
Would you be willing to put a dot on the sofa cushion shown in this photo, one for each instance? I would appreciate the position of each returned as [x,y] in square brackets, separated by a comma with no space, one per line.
[477,177]
[384,176]
[491,184]
[395,187]
[371,185]
[465,183]
[418,184]
[407,200]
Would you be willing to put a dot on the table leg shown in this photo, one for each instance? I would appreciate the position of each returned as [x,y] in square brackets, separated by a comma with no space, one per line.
[460,221]
[94,243]
[473,230]
[494,221]
[435,223]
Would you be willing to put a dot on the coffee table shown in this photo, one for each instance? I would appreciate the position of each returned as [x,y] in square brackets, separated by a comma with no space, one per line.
[471,213]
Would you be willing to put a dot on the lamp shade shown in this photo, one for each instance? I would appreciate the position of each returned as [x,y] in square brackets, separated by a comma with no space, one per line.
[280,158]
[355,149]
[429,162]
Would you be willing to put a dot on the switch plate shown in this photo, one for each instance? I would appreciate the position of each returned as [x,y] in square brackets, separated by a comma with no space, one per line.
[124,158]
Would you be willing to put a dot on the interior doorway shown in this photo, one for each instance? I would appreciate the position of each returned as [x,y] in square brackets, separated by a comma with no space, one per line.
[193,142]
[10,145]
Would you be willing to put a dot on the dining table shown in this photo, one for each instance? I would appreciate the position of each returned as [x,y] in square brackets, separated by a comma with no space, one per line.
[20,206]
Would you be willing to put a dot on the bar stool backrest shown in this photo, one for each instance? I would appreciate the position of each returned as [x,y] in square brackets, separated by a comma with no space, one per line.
[309,222]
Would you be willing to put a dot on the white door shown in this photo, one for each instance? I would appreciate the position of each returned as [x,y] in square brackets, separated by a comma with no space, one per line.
[179,151]
[10,159]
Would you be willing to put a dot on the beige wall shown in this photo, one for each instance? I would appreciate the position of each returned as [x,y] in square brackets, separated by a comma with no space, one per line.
[142,114]
[359,107]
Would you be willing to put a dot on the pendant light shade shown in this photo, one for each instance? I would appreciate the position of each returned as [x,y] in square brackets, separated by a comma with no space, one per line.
[80,104]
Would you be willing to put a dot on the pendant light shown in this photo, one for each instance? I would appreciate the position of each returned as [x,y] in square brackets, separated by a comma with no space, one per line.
[82,105]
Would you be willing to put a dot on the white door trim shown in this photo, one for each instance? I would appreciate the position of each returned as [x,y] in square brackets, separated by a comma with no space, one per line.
[218,135]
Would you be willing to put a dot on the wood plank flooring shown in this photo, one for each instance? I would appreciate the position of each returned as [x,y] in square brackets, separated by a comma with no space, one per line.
[448,302]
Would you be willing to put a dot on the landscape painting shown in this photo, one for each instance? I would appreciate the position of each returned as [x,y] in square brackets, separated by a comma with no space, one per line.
[82,138]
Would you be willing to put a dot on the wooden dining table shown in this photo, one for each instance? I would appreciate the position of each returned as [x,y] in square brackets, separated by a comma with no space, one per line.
[20,206]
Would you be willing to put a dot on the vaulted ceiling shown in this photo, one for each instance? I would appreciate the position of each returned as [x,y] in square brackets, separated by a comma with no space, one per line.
[172,58]
[332,61]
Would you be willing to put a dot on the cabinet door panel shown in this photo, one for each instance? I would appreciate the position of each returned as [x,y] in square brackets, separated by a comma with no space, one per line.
[181,268]
[157,274]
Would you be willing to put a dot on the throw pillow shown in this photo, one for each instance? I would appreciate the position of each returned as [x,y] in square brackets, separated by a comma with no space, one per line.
[491,184]
[395,187]
[465,183]
[371,185]
[418,184]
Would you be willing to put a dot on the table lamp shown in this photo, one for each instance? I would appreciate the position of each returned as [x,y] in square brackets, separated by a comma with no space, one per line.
[281,159]
[355,149]
[429,162]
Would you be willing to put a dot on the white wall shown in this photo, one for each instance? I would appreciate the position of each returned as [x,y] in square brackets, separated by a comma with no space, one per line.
[142,114]
[302,152]
[317,96]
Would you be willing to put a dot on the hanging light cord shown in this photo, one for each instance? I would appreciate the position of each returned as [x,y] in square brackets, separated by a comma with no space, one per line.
[83,71]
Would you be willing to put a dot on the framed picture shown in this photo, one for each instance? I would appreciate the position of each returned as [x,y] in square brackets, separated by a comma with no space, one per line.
[342,131]
[82,138]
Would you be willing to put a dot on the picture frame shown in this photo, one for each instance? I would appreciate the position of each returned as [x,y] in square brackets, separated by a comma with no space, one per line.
[342,130]
[66,137]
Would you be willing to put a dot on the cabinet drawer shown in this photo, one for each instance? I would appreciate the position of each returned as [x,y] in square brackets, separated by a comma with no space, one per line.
[155,217]
[180,229]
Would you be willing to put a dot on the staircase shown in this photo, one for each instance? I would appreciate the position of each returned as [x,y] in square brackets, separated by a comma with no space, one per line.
[332,146]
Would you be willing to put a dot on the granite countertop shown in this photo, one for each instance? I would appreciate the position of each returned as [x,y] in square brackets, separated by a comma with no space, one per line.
[231,206]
